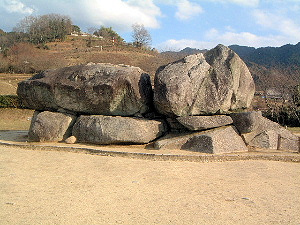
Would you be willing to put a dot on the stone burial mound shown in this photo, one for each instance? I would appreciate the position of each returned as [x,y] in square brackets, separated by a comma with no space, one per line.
[198,103]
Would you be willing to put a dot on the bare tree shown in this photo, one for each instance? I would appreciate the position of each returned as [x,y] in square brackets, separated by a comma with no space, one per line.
[141,37]
[24,25]
[91,30]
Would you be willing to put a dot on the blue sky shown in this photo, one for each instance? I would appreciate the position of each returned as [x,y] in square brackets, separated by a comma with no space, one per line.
[175,24]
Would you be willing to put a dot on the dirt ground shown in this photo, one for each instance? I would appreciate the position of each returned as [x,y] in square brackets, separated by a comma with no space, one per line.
[57,187]
[9,82]
[52,187]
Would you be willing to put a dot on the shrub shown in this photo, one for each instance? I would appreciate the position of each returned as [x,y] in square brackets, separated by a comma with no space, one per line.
[11,101]
[286,115]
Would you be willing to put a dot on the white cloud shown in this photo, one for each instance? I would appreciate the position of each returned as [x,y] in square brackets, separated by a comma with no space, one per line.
[243,38]
[15,6]
[120,14]
[250,3]
[176,45]
[213,37]
[279,23]
[187,10]
[245,2]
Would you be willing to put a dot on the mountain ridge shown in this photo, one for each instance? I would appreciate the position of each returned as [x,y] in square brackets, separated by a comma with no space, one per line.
[270,56]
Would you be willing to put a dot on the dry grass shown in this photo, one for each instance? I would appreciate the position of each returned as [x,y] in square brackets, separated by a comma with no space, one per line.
[9,82]
[15,119]
[7,89]
[295,130]
[26,58]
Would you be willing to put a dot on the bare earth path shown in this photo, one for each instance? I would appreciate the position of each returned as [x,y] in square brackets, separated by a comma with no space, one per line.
[51,187]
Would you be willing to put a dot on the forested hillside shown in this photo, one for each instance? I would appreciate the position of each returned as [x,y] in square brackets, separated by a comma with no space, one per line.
[272,67]
[287,55]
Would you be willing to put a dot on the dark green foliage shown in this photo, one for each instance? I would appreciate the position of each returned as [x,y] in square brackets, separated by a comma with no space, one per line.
[10,101]
[288,113]
[190,51]
[296,95]
[89,43]
[286,116]
[242,51]
[2,32]
[76,28]
[108,33]
[270,56]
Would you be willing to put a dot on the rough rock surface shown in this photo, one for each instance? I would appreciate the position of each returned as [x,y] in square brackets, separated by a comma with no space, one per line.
[104,89]
[289,143]
[117,130]
[219,140]
[50,126]
[258,131]
[272,138]
[247,122]
[265,139]
[174,125]
[71,140]
[204,122]
[216,82]
[174,140]
[222,140]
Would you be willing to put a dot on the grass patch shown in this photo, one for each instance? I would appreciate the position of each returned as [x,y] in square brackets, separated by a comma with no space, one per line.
[15,119]
[294,129]
[10,101]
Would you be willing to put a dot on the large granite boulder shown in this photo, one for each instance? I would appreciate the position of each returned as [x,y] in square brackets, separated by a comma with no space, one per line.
[204,122]
[216,82]
[50,126]
[222,140]
[247,122]
[260,132]
[218,140]
[99,129]
[104,89]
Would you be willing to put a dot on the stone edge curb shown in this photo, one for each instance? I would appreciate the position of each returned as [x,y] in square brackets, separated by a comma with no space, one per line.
[161,157]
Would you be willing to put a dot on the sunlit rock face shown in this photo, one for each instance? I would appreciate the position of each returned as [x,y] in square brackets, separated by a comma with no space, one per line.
[204,84]
[103,89]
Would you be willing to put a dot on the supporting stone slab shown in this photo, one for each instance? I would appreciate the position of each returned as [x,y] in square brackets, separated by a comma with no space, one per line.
[198,123]
[219,140]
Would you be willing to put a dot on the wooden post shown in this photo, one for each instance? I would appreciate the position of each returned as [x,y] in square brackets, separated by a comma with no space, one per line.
[279,142]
